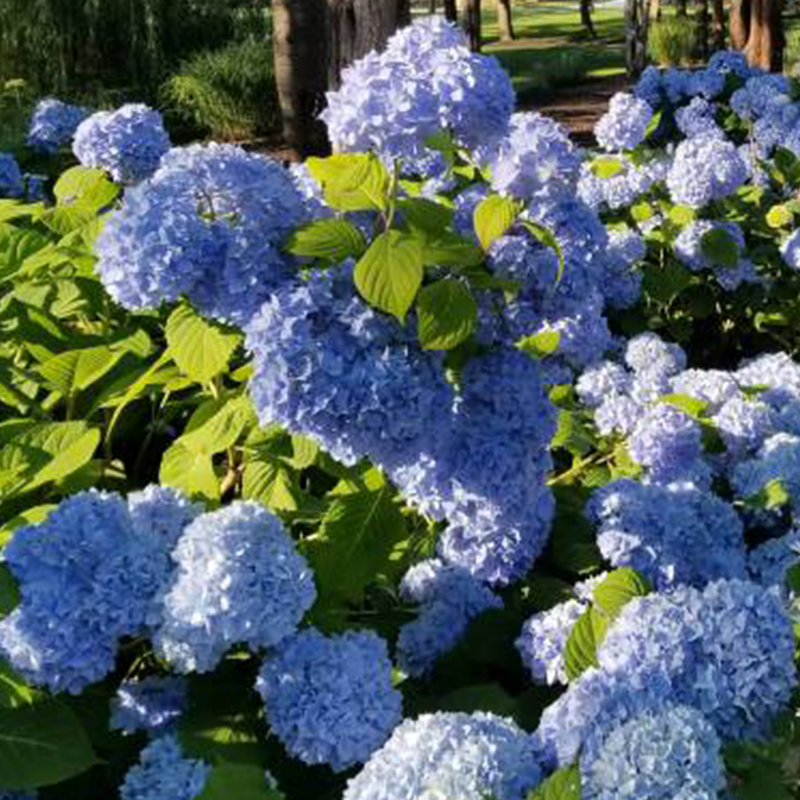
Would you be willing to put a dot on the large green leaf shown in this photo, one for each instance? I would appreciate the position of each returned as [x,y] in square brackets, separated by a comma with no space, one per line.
[719,247]
[565,784]
[446,314]
[618,589]
[14,692]
[389,274]
[332,239]
[190,471]
[354,545]
[580,651]
[41,744]
[86,188]
[240,781]
[492,218]
[221,425]
[200,348]
[352,181]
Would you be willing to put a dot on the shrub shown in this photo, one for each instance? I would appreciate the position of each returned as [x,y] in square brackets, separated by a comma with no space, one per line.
[672,42]
[227,93]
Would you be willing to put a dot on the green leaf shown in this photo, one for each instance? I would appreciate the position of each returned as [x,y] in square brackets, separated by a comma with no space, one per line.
[540,345]
[573,434]
[695,408]
[565,784]
[9,591]
[606,167]
[682,215]
[652,126]
[580,651]
[41,744]
[201,349]
[779,216]
[719,247]
[618,589]
[449,249]
[771,496]
[87,188]
[14,692]
[268,480]
[446,314]
[354,545]
[75,370]
[332,239]
[493,216]
[190,471]
[225,422]
[425,216]
[389,274]
[642,211]
[305,451]
[665,283]
[352,181]
[548,239]
[241,781]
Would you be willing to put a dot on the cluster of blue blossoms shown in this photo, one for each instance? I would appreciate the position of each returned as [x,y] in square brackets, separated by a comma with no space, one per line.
[53,125]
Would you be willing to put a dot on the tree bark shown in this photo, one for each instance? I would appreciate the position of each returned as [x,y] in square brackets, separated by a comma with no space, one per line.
[718,25]
[765,42]
[469,18]
[586,17]
[636,13]
[703,28]
[654,12]
[680,8]
[431,6]
[451,10]
[505,20]
[301,72]
[739,22]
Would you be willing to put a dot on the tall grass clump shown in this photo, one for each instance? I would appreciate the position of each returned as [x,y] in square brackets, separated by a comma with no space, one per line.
[672,42]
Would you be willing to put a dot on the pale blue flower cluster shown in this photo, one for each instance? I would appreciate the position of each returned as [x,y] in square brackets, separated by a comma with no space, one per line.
[623,188]
[164,772]
[12,183]
[705,168]
[128,143]
[53,124]
[330,699]
[727,650]
[689,250]
[697,119]
[425,81]
[209,225]
[790,250]
[543,638]
[449,599]
[769,563]
[621,282]
[536,161]
[670,753]
[624,125]
[153,704]
[238,580]
[670,534]
[87,578]
[450,755]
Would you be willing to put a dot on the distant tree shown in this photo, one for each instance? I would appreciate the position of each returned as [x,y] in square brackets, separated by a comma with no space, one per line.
[718,25]
[636,22]
[469,18]
[451,10]
[756,27]
[586,17]
[505,20]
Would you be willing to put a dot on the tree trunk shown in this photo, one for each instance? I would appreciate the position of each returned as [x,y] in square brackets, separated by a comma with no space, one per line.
[680,8]
[765,43]
[703,28]
[300,72]
[654,12]
[718,25]
[431,6]
[355,27]
[586,17]
[451,10]
[739,23]
[636,13]
[469,18]
[505,20]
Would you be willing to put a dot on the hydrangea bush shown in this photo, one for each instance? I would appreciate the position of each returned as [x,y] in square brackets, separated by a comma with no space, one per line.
[459,464]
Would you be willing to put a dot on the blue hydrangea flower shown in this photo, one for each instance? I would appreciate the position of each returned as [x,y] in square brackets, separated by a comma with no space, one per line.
[536,161]
[790,251]
[706,84]
[53,124]
[330,699]
[758,93]
[543,639]
[624,125]
[209,226]
[449,599]
[425,81]
[600,381]
[671,753]
[768,563]
[744,425]
[649,87]
[697,119]
[672,535]
[731,62]
[621,282]
[165,773]
[87,578]
[648,354]
[239,580]
[128,143]
[689,245]
[705,168]
[714,386]
[162,512]
[617,414]
[777,460]
[11,181]
[450,755]
[153,704]
[727,650]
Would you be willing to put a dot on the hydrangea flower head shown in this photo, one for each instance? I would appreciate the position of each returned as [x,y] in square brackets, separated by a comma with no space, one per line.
[449,599]
[239,580]
[330,699]
[87,578]
[449,755]
[672,535]
[769,563]
[161,512]
[705,168]
[670,753]
[165,773]
[697,119]
[11,181]
[53,124]
[128,143]
[209,226]
[790,251]
[648,354]
[543,639]
[777,460]
[624,125]
[152,704]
